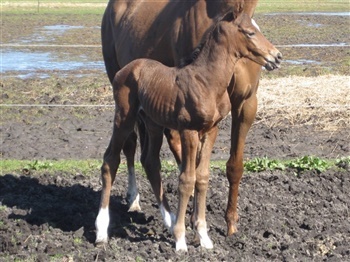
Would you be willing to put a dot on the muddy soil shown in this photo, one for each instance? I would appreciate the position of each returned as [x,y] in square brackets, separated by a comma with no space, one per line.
[284,217]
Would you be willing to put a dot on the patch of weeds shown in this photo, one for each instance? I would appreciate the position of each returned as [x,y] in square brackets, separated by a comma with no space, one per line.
[309,163]
[169,167]
[343,162]
[77,241]
[218,165]
[37,165]
[2,208]
[139,259]
[262,164]
[57,257]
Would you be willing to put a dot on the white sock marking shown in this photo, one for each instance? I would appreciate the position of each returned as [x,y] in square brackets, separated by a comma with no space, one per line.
[168,218]
[181,244]
[101,223]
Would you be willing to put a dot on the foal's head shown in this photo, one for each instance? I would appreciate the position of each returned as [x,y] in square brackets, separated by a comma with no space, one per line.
[244,36]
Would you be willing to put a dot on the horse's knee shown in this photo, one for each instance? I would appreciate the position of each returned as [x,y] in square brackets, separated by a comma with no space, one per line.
[202,181]
[186,184]
[234,171]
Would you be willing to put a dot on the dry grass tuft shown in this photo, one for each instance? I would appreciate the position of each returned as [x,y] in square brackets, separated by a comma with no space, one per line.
[322,101]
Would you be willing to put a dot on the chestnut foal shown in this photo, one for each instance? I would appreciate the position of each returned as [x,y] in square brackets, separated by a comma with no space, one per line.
[192,99]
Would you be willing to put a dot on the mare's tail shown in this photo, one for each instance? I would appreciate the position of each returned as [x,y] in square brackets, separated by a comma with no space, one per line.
[108,47]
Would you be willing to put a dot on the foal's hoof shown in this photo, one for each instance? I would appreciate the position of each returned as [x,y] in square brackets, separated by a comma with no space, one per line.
[203,237]
[101,243]
[181,245]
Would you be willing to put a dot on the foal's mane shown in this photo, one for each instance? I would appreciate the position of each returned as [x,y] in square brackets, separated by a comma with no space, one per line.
[207,36]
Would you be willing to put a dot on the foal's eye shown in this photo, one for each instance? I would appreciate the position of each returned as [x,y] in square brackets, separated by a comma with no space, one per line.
[250,34]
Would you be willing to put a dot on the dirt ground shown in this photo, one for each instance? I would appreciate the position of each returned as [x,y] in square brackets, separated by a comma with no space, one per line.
[283,217]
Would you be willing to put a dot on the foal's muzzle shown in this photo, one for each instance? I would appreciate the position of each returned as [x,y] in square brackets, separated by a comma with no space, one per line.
[274,61]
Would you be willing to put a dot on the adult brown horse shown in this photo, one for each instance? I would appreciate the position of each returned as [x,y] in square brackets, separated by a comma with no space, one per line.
[168,31]
[192,100]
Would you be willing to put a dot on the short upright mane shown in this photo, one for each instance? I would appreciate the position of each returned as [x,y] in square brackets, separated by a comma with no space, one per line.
[195,53]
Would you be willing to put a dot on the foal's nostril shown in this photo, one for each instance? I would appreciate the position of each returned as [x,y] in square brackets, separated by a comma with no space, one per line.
[279,56]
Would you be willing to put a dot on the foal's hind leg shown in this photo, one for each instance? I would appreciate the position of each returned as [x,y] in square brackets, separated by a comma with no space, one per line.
[174,141]
[122,128]
[111,161]
[132,196]
[151,162]
[201,187]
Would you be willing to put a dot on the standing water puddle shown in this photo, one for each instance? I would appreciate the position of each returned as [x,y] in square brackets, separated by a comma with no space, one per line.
[30,62]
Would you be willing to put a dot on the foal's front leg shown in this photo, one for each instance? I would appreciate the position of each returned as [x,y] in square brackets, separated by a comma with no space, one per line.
[201,187]
[189,142]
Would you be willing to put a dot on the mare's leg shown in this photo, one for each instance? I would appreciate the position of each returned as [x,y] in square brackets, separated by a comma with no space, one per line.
[174,141]
[189,142]
[132,196]
[151,162]
[201,187]
[241,123]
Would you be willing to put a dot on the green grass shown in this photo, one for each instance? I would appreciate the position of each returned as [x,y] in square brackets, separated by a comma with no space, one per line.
[86,167]
[92,166]
[98,6]
[268,6]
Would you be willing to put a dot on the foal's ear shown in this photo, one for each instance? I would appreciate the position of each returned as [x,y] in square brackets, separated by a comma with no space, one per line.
[229,17]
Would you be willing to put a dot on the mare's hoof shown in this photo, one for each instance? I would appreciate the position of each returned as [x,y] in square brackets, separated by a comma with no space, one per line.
[231,229]
[134,203]
[135,207]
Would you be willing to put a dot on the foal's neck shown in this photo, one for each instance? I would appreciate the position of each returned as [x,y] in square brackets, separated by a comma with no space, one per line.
[216,62]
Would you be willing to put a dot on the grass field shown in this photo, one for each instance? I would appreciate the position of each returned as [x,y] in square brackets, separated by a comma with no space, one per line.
[97,6]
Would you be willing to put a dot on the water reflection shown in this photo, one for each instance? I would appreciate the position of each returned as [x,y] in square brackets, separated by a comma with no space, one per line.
[31,61]
[301,62]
